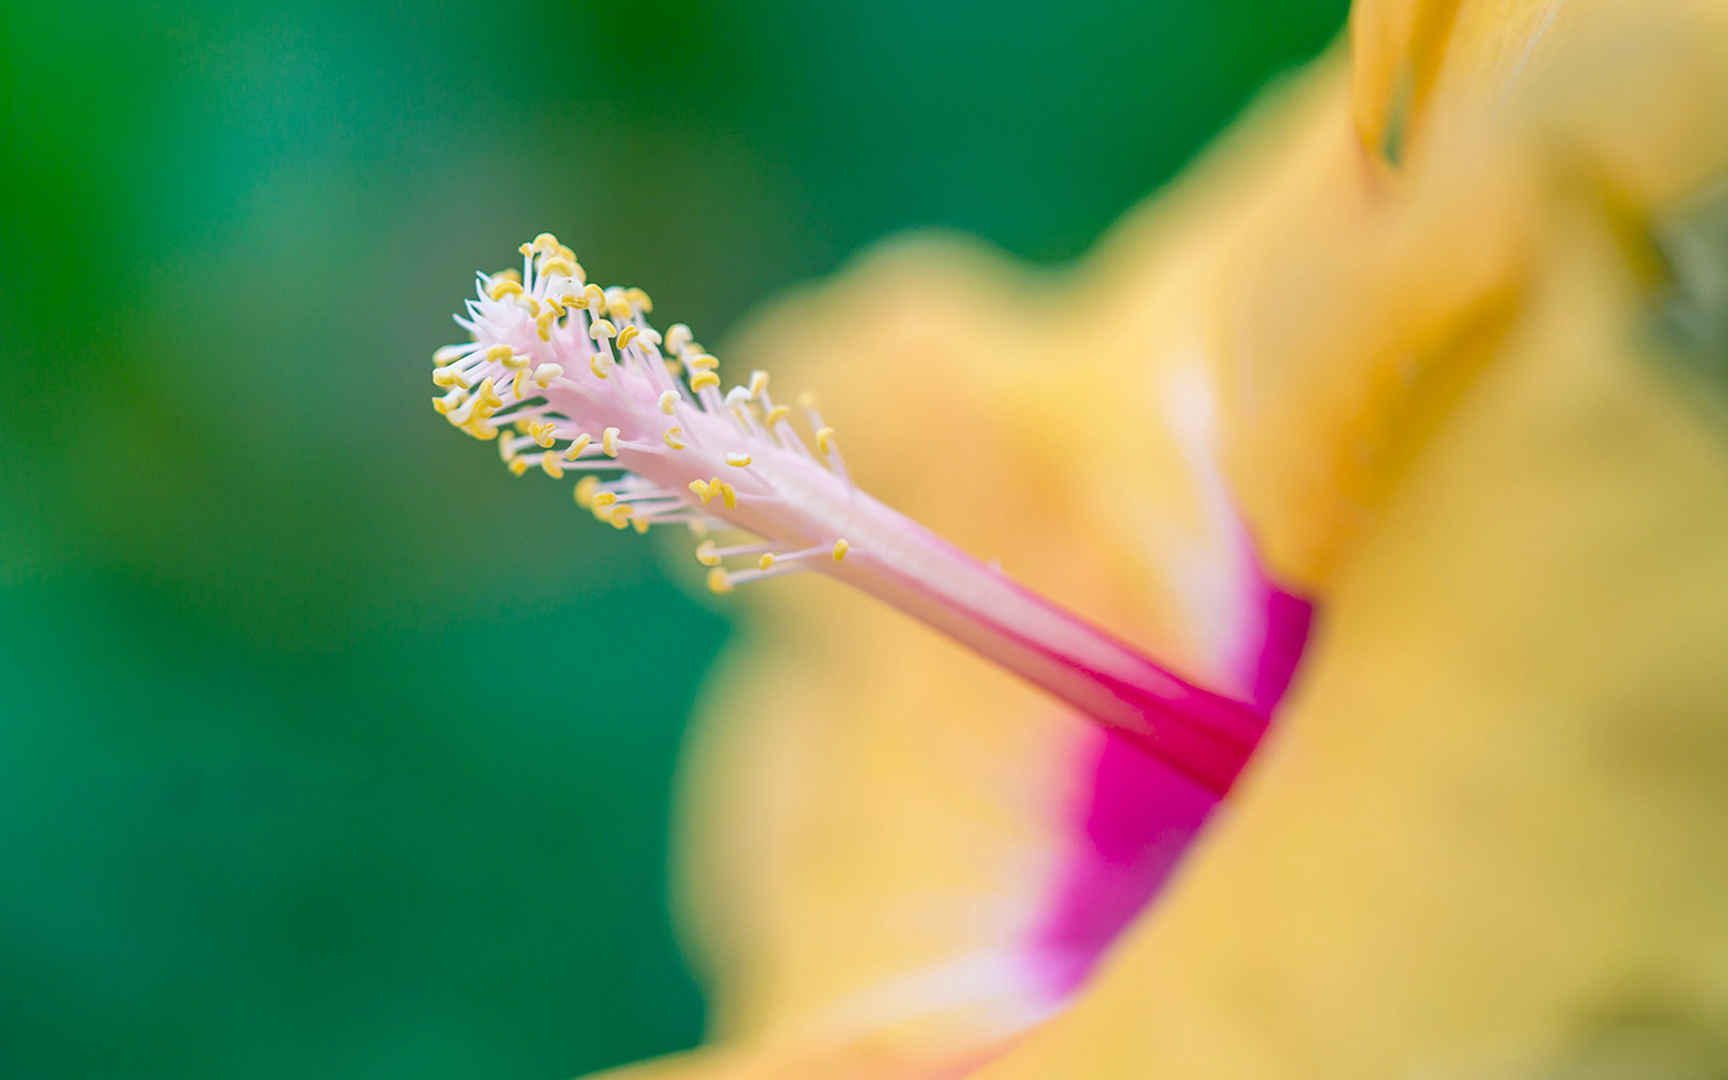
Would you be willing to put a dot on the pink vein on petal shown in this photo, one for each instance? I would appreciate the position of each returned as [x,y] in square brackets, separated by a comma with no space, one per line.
[1136,814]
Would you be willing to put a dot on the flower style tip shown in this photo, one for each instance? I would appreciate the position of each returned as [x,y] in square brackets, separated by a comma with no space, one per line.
[569,377]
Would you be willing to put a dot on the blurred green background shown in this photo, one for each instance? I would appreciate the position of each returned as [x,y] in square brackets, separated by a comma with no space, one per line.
[288,785]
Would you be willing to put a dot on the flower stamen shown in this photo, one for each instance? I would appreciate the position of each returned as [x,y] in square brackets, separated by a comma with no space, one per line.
[558,357]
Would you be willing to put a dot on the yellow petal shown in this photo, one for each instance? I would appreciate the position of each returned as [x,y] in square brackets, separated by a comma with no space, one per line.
[1351,326]
[1417,61]
[873,814]
[1404,51]
[1357,324]
[876,821]
[1486,840]
[1493,817]
[1352,335]
[1396,47]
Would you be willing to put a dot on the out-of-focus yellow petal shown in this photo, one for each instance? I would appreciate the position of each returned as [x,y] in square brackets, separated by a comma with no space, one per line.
[1342,366]
[875,816]
[1415,61]
[875,820]
[1396,47]
[1406,52]
[1486,838]
[1437,411]
[1489,831]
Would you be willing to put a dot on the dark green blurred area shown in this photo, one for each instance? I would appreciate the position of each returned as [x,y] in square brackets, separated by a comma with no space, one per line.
[325,747]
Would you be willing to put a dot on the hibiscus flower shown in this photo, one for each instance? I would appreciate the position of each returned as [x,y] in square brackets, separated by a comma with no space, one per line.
[1380,460]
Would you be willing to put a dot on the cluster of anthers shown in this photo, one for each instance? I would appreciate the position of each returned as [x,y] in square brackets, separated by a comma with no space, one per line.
[569,378]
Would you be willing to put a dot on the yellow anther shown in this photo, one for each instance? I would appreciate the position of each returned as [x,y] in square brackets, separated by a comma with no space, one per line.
[674,438]
[605,498]
[758,383]
[549,463]
[556,305]
[728,495]
[597,364]
[564,252]
[448,377]
[506,451]
[673,368]
[523,424]
[519,383]
[602,328]
[594,299]
[718,583]
[545,242]
[677,336]
[498,354]
[557,267]
[481,429]
[702,380]
[585,491]
[525,249]
[616,305]
[545,373]
[627,335]
[807,399]
[824,440]
[529,304]
[574,450]
[487,396]
[698,527]
[515,361]
[518,465]
[503,286]
[701,362]
[705,553]
[509,274]
[609,441]
[765,561]
[621,515]
[841,547]
[543,324]
[776,414]
[639,300]
[702,490]
[639,524]
[737,460]
[450,401]
[449,354]
[668,401]
[545,433]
